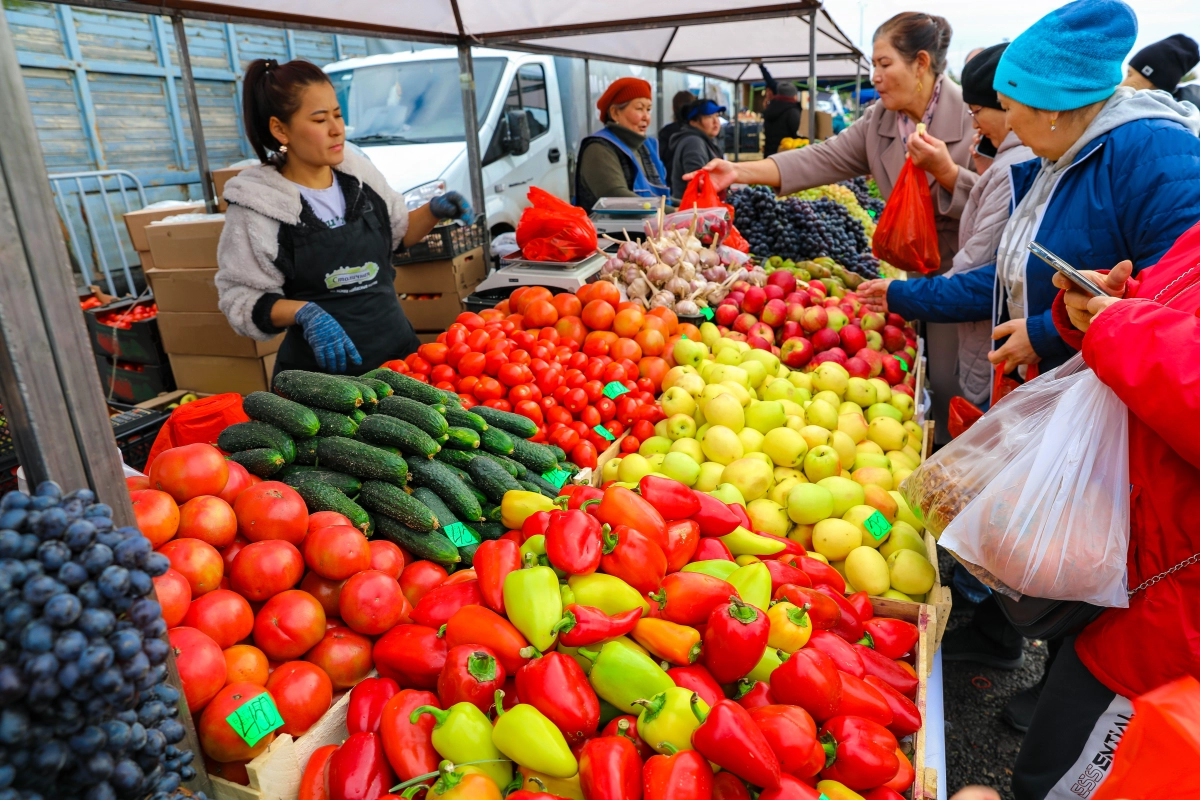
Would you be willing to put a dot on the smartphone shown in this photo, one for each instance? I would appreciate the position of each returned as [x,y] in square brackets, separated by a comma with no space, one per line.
[985,147]
[1074,275]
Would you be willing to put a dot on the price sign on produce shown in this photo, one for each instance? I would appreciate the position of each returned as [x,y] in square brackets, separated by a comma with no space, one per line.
[605,432]
[556,477]
[877,525]
[706,312]
[255,719]
[460,535]
[615,390]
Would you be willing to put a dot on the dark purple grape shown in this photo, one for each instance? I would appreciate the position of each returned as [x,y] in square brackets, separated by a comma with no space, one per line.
[79,534]
[172,729]
[99,766]
[89,594]
[140,583]
[37,637]
[72,575]
[108,681]
[41,588]
[97,621]
[136,667]
[10,544]
[14,500]
[154,676]
[49,489]
[12,684]
[167,694]
[42,690]
[126,777]
[91,739]
[101,791]
[51,524]
[132,551]
[126,643]
[96,658]
[43,503]
[18,615]
[137,736]
[151,713]
[69,645]
[14,519]
[98,510]
[145,611]
[96,557]
[168,783]
[69,675]
[109,538]
[86,495]
[62,610]
[50,757]
[7,773]
[53,554]
[42,666]
[156,564]
[156,650]
[155,629]
[29,545]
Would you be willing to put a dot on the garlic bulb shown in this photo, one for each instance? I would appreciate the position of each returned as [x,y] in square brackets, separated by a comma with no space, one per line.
[662,300]
[671,255]
[716,293]
[677,286]
[709,259]
[659,274]
[716,274]
[686,271]
[611,266]
[756,277]
[687,308]
[639,287]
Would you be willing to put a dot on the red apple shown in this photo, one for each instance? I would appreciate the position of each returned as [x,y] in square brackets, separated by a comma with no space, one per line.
[825,339]
[836,319]
[735,297]
[744,322]
[796,297]
[853,339]
[874,340]
[783,279]
[740,286]
[831,302]
[895,320]
[758,343]
[836,355]
[903,388]
[790,330]
[873,358]
[796,352]
[872,321]
[755,299]
[762,330]
[892,372]
[795,311]
[893,338]
[774,313]
[773,292]
[725,314]
[736,336]
[908,359]
[857,368]
[814,319]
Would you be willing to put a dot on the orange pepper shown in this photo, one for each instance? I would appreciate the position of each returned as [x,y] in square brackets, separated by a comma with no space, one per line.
[462,783]
[669,641]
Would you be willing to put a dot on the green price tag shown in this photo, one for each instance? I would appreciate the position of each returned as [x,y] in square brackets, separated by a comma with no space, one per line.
[877,525]
[605,432]
[903,363]
[615,390]
[255,719]
[823,796]
[556,477]
[460,535]
[706,312]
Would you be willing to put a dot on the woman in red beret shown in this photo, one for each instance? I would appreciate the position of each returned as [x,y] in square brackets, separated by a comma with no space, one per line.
[620,160]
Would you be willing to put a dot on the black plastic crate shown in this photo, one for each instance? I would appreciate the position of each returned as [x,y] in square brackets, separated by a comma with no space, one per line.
[141,344]
[133,383]
[446,241]
[8,474]
[135,431]
[7,448]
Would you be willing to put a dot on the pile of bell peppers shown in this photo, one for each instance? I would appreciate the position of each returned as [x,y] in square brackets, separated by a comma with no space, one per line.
[623,644]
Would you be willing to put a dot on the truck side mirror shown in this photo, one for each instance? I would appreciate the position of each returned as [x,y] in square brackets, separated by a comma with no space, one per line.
[516,134]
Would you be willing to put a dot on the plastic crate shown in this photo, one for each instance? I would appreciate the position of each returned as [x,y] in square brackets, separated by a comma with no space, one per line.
[446,241]
[126,382]
[135,431]
[7,448]
[141,344]
[8,474]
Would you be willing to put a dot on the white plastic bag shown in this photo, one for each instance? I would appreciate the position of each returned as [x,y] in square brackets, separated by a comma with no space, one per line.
[1034,497]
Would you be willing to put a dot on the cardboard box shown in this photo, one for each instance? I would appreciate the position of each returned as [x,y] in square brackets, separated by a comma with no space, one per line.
[218,374]
[136,221]
[185,245]
[426,338]
[184,289]
[147,260]
[459,275]
[220,178]
[824,125]
[208,334]
[434,314]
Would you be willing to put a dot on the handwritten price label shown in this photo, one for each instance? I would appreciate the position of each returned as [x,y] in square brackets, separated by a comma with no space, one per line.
[460,535]
[255,719]
[877,525]
[706,312]
[604,433]
[556,477]
[615,389]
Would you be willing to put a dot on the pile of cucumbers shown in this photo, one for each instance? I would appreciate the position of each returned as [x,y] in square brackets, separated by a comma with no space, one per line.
[398,457]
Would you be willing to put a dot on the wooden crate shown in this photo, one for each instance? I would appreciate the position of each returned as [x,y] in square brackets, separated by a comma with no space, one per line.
[613,451]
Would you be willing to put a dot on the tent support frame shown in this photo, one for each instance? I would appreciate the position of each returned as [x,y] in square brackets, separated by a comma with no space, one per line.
[812,74]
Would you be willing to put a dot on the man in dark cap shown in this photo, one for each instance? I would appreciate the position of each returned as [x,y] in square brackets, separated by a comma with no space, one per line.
[781,116]
[1162,65]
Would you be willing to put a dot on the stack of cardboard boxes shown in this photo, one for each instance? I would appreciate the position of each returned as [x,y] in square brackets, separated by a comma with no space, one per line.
[431,292]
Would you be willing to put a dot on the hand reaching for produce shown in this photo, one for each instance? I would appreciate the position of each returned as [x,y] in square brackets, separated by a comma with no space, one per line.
[332,347]
[931,155]
[873,294]
[725,173]
[452,205]
[1082,308]
[1017,350]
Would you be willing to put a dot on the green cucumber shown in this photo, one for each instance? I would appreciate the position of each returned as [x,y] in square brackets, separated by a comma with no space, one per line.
[508,464]
[380,429]
[447,485]
[294,475]
[358,415]
[314,389]
[319,496]
[262,461]
[392,501]
[370,400]
[253,435]
[513,423]
[380,388]
[465,419]
[306,451]
[534,483]
[467,554]
[489,531]
[430,546]
[287,415]
[492,513]
[456,458]
[335,424]
[491,479]
[411,388]
[537,457]
[462,439]
[560,455]
[361,460]
[425,417]
[496,441]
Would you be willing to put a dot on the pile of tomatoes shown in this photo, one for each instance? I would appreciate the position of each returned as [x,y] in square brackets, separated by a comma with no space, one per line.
[124,319]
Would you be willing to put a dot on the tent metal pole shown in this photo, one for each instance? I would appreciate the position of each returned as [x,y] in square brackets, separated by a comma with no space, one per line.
[658,95]
[466,79]
[193,107]
[857,89]
[587,92]
[812,74]
[737,121]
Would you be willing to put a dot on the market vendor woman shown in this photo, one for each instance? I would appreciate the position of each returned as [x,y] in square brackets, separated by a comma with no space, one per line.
[620,160]
[309,235]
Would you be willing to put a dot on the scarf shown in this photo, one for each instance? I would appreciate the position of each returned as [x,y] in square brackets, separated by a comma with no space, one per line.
[906,127]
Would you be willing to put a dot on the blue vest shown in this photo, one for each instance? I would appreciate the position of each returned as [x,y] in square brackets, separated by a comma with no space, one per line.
[641,184]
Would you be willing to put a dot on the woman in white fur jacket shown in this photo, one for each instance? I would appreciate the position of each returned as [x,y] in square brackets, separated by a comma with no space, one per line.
[309,234]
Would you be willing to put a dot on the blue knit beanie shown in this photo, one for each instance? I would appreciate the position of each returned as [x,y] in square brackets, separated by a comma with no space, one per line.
[1069,58]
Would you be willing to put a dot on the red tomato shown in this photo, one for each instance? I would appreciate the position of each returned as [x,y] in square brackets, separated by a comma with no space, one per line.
[575,379]
[174,595]
[201,665]
[466,386]
[510,374]
[645,385]
[337,552]
[223,615]
[584,455]
[262,570]
[373,603]
[245,662]
[327,592]
[520,393]
[443,373]
[606,408]
[630,444]
[418,578]
[288,625]
[272,510]
[590,416]
[229,552]
[488,389]
[344,655]
[523,339]
[456,334]
[530,410]
[613,372]
[455,354]
[469,320]
[388,557]
[197,561]
[468,401]
[478,339]
[433,352]
[189,471]
[594,389]
[137,483]
[326,519]
[502,405]
[217,737]
[302,692]
[564,438]
[472,364]
[520,357]
[239,481]
[642,429]
[558,415]
[593,369]
[209,519]
[157,515]
[576,400]
[418,364]
[493,361]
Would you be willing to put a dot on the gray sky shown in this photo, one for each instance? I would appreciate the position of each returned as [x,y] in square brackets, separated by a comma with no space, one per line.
[979,23]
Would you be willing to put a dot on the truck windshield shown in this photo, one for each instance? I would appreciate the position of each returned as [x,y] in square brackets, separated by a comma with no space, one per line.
[411,102]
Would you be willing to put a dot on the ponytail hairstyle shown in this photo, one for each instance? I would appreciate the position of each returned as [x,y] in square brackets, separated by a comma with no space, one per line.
[910,32]
[271,89]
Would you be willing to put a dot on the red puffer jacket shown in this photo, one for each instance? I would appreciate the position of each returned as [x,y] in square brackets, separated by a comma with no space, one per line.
[1147,350]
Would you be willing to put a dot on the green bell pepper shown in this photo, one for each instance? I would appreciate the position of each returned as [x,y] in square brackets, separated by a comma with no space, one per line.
[717,567]
[463,733]
[622,673]
[529,738]
[609,594]
[533,603]
[753,583]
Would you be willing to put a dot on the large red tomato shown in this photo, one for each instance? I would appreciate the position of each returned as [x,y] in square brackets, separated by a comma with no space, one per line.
[209,519]
[136,483]
[302,693]
[388,557]
[262,570]
[201,665]
[326,519]
[288,625]
[157,515]
[197,561]
[218,739]
[326,591]
[344,655]
[337,552]
[239,481]
[230,551]
[271,510]
[372,603]
[189,471]
[223,615]
[246,663]
[174,595]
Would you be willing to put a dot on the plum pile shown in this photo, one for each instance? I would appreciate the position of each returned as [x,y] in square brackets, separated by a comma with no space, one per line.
[85,710]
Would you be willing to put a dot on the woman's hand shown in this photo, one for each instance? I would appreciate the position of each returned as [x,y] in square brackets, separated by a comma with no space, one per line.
[931,155]
[334,350]
[1082,307]
[982,162]
[723,173]
[873,294]
[452,205]
[1017,350]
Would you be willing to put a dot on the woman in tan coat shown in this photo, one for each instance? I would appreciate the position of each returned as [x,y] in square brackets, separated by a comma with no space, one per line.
[909,59]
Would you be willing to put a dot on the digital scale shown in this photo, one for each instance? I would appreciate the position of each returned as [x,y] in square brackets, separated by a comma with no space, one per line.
[618,216]
[516,271]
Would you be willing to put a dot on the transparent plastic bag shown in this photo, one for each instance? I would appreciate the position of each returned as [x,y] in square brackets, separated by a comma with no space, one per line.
[1034,497]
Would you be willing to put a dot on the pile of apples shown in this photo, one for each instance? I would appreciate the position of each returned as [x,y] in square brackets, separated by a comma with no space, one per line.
[806,325]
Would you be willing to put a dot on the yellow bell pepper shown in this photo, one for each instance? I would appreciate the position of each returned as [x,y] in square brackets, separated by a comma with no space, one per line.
[746,543]
[528,737]
[837,791]
[607,593]
[790,627]
[516,507]
[666,721]
[717,567]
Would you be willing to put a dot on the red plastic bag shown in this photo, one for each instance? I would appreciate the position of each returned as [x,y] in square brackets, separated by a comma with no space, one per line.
[963,414]
[1157,755]
[198,421]
[701,194]
[1003,385]
[906,236]
[553,230]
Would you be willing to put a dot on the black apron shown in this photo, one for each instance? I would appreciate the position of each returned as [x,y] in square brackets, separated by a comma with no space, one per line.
[348,272]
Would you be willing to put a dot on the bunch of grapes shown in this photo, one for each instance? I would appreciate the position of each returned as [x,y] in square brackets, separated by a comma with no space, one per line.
[862,191]
[85,710]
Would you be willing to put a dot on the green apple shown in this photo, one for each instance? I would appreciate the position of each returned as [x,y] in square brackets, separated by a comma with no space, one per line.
[860,391]
[692,383]
[741,392]
[814,436]
[633,468]
[728,493]
[710,476]
[768,516]
[609,471]
[902,537]
[789,408]
[660,428]
[690,353]
[656,445]
[886,432]
[902,402]
[831,377]
[878,498]
[751,477]
[905,514]
[829,397]
[877,410]
[711,391]
[763,457]
[910,572]
[785,446]
[725,410]
[846,493]
[914,430]
[729,372]
[752,440]
[868,571]
[846,407]
[702,431]
[680,426]
[783,473]
[845,448]
[681,467]
[835,538]
[853,425]
[809,503]
[755,371]
[677,400]
[779,389]
[821,462]
[729,356]
[883,392]
[858,515]
[656,461]
[801,380]
[723,344]
[892,594]
[706,368]
[689,447]
[837,318]
[675,373]
[710,334]
[766,415]
[868,446]
[768,360]
[782,488]
[873,476]
[821,413]
[722,445]
[901,459]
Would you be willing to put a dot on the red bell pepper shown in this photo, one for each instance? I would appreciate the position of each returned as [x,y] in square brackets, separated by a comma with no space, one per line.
[728,737]
[783,574]
[727,786]
[822,573]
[367,699]
[906,717]
[810,680]
[358,770]
[472,674]
[861,603]
[893,638]
[584,625]
[837,648]
[735,639]
[792,735]
[407,744]
[672,499]
[610,769]
[791,789]
[714,517]
[823,613]
[581,494]
[411,655]
[905,774]
[789,547]
[535,525]
[461,576]
[574,542]
[858,753]
[679,776]
[493,561]
[862,700]
[312,782]
[626,725]
[439,604]
[885,669]
[557,686]
[525,794]
[712,549]
[479,625]
[619,506]
[753,694]
[690,597]
[699,680]
[634,557]
[849,627]
[683,537]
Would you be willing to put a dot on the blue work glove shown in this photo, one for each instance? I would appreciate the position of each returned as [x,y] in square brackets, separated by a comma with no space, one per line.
[330,344]
[452,205]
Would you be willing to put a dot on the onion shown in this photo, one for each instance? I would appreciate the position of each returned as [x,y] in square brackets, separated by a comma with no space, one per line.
[659,274]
